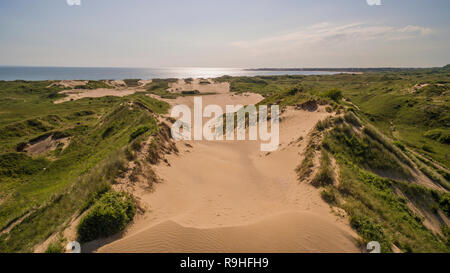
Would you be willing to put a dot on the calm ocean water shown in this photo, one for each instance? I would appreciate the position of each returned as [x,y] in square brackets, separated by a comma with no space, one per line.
[10,73]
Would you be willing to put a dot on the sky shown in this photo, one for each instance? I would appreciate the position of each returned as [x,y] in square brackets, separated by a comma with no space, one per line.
[213,33]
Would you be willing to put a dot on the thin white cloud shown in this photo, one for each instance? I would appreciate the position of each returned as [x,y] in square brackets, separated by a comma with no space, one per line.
[328,35]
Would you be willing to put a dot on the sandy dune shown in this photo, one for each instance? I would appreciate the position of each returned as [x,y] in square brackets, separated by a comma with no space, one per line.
[201,86]
[95,93]
[219,99]
[230,197]
[288,232]
[69,83]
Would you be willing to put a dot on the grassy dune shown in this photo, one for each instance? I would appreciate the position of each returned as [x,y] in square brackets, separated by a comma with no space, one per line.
[395,125]
[49,188]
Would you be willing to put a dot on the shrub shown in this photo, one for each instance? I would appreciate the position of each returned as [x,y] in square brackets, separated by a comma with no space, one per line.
[132,82]
[400,145]
[191,92]
[323,124]
[370,231]
[329,196]
[17,164]
[444,203]
[109,131]
[325,174]
[139,131]
[109,215]
[94,196]
[439,135]
[55,247]
[334,94]
[446,232]
[427,148]
[93,85]
[351,118]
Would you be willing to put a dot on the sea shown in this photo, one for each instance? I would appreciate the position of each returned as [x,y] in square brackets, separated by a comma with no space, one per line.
[34,73]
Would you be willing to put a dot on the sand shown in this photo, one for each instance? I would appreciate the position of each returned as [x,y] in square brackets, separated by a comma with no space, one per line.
[77,94]
[212,87]
[47,144]
[228,196]
[69,83]
[289,232]
[218,99]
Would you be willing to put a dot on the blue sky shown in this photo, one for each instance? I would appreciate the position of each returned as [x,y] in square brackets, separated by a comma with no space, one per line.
[212,33]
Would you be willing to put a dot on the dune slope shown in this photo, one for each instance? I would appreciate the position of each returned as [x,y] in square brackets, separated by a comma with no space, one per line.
[227,196]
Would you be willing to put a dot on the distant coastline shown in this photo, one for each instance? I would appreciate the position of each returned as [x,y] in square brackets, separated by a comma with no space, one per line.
[35,73]
[348,69]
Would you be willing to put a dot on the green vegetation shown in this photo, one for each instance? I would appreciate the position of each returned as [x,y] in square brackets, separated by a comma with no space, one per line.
[444,203]
[325,174]
[109,215]
[132,82]
[56,246]
[390,99]
[395,124]
[329,195]
[371,172]
[39,193]
[94,85]
[139,131]
[333,94]
[443,136]
[193,92]
[159,87]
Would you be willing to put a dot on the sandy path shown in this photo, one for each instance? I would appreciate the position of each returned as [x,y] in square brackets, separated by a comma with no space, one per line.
[230,197]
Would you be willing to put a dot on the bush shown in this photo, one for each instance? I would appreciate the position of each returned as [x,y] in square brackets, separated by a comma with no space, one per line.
[400,145]
[329,196]
[191,92]
[93,85]
[17,164]
[427,148]
[323,124]
[370,231]
[131,82]
[56,247]
[444,203]
[139,131]
[334,94]
[109,215]
[325,174]
[351,118]
[439,135]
